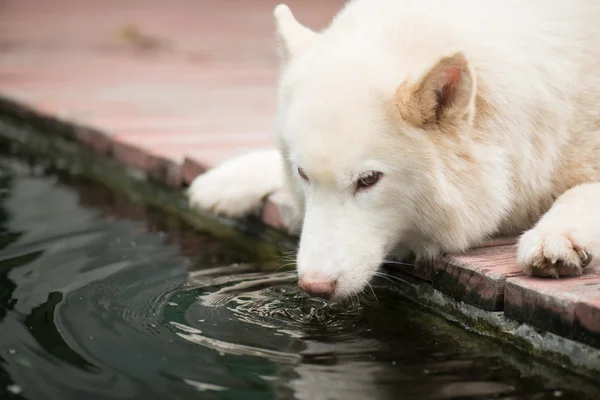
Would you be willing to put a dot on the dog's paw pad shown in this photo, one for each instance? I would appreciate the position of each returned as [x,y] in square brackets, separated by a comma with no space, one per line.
[551,255]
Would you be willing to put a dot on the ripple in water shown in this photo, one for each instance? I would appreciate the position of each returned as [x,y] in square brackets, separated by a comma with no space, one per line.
[102,299]
[268,309]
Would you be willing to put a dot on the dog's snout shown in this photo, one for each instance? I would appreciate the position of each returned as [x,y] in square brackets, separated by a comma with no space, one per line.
[317,285]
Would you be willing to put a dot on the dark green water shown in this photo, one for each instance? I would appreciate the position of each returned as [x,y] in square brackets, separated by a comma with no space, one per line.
[102,299]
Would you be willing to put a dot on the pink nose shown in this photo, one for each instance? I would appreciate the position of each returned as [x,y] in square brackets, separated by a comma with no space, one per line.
[317,285]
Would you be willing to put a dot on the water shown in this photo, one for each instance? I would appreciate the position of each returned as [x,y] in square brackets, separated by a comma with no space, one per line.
[102,299]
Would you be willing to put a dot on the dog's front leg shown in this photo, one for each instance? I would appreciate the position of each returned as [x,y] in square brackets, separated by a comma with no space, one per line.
[567,238]
[239,186]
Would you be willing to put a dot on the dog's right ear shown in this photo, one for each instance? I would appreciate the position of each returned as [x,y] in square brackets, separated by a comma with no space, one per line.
[440,97]
[292,36]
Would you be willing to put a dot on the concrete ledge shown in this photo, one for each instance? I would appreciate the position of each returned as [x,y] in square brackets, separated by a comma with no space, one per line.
[477,277]
[568,307]
[569,354]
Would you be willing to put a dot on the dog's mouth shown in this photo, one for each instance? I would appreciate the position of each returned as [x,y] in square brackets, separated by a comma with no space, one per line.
[389,273]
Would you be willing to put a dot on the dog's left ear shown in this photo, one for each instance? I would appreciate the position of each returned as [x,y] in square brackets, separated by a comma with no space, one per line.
[443,96]
[292,36]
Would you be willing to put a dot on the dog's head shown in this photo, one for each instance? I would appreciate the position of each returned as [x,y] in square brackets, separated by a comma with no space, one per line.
[362,133]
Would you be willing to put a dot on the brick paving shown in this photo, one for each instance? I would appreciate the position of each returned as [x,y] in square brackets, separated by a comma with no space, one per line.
[174,88]
[167,80]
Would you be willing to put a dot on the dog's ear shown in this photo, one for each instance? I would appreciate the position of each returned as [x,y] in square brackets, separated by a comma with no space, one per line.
[292,36]
[441,97]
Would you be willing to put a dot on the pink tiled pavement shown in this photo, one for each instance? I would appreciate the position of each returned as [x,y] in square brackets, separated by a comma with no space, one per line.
[177,79]
[569,307]
[175,87]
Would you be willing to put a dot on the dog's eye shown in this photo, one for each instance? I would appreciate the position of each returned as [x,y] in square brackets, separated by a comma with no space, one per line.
[367,180]
[302,174]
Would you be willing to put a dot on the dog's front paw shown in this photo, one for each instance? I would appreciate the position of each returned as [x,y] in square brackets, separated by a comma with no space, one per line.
[549,253]
[225,194]
[238,187]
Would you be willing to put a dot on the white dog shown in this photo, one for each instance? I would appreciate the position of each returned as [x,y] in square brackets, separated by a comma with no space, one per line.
[427,126]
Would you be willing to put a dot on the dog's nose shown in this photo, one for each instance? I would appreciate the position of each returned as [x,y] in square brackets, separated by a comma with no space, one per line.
[317,285]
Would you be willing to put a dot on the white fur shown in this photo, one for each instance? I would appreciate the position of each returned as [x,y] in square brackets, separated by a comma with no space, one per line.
[240,185]
[566,237]
[517,133]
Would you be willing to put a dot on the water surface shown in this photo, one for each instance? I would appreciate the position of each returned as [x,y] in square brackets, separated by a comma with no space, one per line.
[103,299]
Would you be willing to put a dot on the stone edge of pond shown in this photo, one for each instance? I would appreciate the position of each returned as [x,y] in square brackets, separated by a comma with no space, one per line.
[48,138]
[55,140]
[574,357]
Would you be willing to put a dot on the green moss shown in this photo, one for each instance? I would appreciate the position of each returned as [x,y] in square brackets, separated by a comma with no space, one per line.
[573,357]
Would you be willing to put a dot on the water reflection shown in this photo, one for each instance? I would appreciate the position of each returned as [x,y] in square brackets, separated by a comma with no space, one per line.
[101,298]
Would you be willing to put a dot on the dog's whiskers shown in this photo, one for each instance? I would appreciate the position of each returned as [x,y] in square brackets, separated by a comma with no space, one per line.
[284,265]
[288,256]
[372,290]
[390,278]
[357,299]
[393,262]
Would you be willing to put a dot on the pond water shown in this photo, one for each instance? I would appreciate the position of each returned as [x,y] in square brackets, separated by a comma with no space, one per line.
[103,299]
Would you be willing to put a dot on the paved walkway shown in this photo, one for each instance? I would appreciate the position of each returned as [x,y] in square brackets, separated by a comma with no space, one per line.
[177,79]
[175,87]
